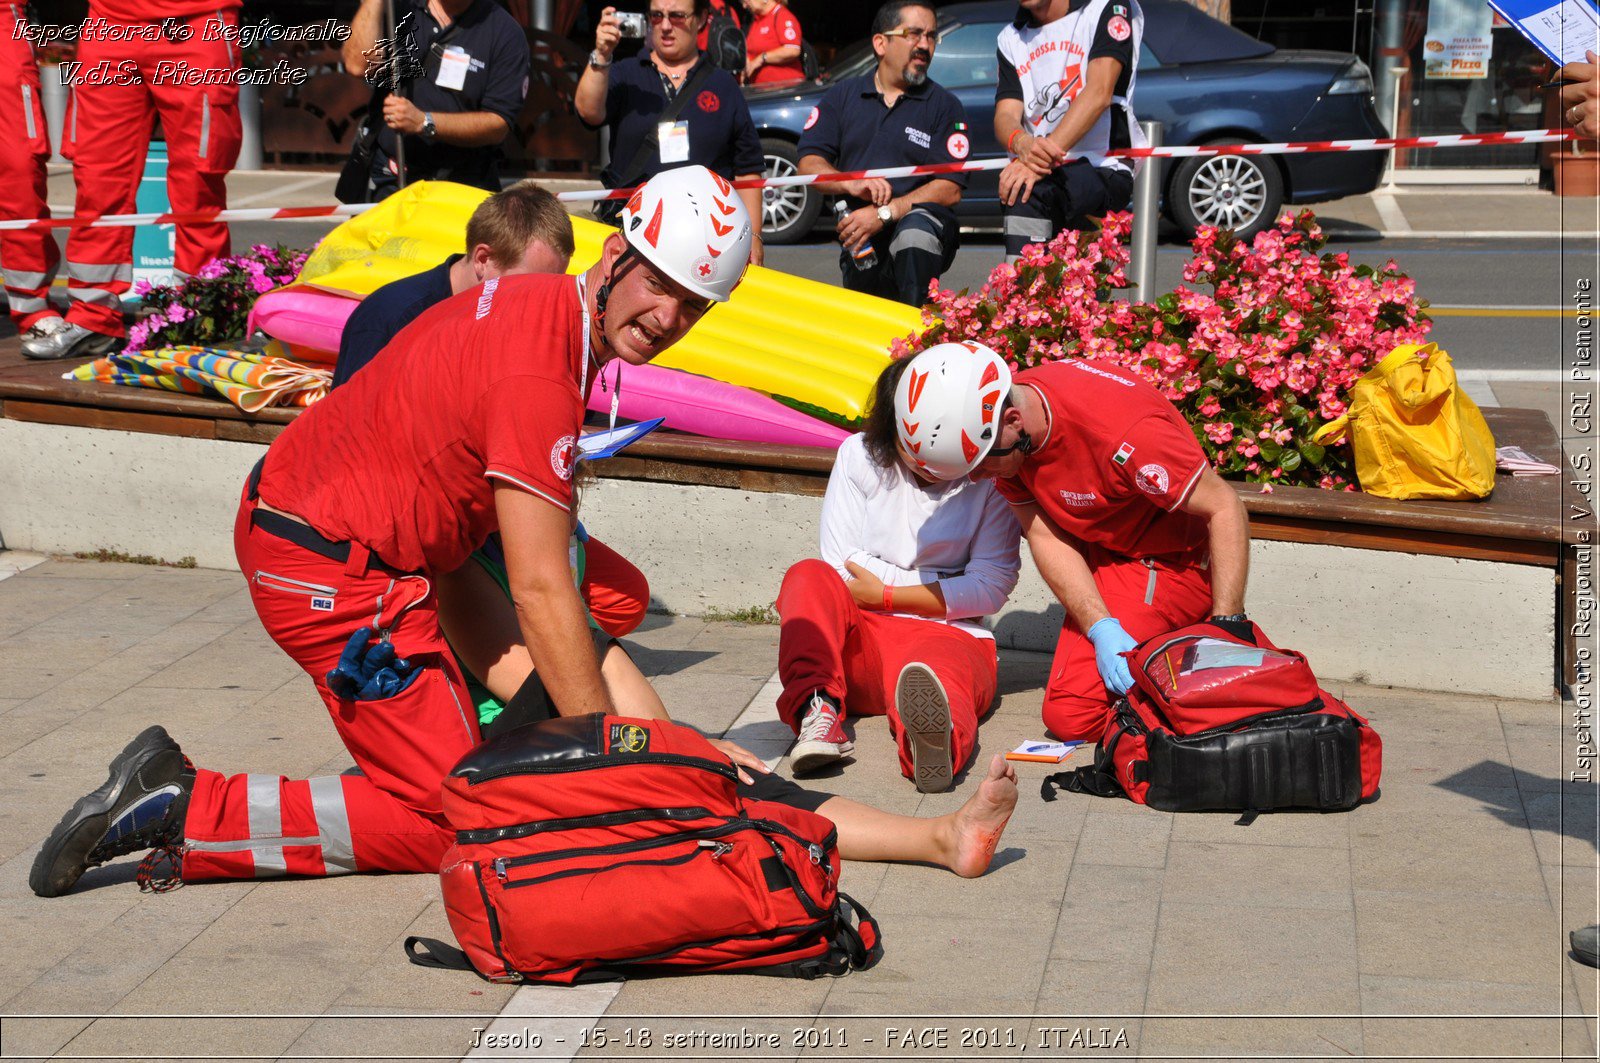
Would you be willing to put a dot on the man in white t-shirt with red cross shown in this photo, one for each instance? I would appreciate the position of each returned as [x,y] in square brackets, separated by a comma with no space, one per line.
[1063,101]
[1130,526]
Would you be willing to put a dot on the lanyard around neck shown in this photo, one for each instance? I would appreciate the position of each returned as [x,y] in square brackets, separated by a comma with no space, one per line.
[588,356]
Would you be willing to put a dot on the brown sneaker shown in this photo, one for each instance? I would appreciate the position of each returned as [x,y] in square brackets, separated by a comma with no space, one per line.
[924,710]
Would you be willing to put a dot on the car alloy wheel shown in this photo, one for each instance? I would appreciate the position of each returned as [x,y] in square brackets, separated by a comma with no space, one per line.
[789,213]
[1228,191]
[780,207]
[1239,192]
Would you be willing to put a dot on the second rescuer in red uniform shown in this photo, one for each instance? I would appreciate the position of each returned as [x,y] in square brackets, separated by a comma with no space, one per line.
[1130,526]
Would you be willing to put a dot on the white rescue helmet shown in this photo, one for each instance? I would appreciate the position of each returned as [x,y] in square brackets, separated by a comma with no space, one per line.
[691,225]
[947,407]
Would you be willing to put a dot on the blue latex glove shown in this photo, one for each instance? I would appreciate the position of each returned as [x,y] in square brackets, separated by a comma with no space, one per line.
[1110,643]
[368,672]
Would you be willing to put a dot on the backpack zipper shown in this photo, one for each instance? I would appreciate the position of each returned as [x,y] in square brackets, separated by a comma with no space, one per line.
[704,845]
[1261,717]
[503,863]
[486,835]
[606,760]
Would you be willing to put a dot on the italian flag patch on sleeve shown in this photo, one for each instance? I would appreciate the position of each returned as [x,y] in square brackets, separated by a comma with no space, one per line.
[1122,455]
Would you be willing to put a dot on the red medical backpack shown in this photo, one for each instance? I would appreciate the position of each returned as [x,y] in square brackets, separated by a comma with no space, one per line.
[592,848]
[1220,719]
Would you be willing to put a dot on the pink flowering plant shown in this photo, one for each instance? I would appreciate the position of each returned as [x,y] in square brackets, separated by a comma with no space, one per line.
[1257,349]
[215,303]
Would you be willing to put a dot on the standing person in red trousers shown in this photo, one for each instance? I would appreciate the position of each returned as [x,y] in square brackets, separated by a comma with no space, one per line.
[465,424]
[891,619]
[140,59]
[28,260]
[1130,526]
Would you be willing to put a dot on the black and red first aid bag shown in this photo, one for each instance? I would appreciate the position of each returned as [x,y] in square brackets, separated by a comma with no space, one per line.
[1220,719]
[592,848]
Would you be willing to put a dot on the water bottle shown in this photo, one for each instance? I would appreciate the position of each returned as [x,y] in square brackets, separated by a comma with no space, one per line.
[866,258]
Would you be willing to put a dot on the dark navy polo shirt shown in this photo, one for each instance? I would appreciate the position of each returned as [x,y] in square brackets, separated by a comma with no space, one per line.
[722,136]
[382,315]
[496,81]
[852,130]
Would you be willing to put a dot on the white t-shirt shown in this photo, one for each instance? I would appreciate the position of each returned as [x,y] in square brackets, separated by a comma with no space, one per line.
[1047,66]
[961,535]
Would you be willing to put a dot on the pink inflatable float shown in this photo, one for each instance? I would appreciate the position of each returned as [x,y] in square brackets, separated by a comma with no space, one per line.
[707,407]
[311,322]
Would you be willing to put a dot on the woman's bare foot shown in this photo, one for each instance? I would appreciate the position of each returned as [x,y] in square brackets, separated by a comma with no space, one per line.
[975,828]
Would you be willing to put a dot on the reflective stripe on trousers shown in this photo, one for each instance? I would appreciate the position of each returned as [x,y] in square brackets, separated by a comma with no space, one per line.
[266,843]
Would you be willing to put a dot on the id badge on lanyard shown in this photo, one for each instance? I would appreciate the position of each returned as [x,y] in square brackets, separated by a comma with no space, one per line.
[583,380]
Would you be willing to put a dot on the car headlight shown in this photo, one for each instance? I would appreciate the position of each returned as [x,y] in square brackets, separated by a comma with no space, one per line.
[1355,81]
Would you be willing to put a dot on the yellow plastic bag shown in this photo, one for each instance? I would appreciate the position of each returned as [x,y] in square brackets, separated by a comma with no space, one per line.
[1415,433]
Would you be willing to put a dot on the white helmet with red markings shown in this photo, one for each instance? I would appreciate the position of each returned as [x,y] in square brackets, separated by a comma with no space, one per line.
[691,225]
[947,407]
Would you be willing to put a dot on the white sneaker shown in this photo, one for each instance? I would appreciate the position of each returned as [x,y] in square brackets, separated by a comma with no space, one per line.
[822,739]
[924,711]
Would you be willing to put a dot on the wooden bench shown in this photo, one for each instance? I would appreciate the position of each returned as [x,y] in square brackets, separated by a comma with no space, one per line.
[1521,524]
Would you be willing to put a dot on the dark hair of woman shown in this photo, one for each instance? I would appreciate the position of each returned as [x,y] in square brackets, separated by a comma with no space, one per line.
[882,441]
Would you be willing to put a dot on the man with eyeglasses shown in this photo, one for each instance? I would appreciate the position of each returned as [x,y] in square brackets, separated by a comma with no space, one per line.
[893,116]
[669,106]
[1063,101]
[1131,527]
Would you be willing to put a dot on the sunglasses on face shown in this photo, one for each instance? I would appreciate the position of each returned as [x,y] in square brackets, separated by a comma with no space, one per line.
[916,36]
[677,18]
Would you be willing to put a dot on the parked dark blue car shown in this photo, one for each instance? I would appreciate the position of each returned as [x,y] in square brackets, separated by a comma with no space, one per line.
[1204,81]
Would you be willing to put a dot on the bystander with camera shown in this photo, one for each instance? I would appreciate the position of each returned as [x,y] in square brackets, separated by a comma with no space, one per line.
[667,107]
[448,90]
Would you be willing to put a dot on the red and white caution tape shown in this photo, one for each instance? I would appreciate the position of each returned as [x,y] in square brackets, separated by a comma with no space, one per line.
[1453,140]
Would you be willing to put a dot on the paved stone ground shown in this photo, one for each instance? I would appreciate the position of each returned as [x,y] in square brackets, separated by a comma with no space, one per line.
[1302,935]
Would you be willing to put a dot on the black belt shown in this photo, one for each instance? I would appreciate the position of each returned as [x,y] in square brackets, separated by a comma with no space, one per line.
[302,535]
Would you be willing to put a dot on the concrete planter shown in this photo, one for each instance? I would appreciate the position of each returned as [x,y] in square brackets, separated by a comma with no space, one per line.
[1377,616]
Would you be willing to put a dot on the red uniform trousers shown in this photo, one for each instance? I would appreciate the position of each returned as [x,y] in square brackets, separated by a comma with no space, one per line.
[616,592]
[388,817]
[1148,597]
[829,643]
[28,260]
[107,133]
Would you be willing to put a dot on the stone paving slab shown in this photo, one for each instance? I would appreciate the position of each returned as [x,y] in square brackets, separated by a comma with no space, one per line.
[1179,936]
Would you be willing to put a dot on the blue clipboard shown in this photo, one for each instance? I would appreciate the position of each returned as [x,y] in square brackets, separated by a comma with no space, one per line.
[1561,29]
[606,444]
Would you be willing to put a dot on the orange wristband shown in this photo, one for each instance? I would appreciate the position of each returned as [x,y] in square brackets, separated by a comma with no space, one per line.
[1012,139]
[888,598]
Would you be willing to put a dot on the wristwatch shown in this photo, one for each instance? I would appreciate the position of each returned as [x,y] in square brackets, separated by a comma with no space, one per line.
[597,61]
[1231,618]
[429,130]
[885,215]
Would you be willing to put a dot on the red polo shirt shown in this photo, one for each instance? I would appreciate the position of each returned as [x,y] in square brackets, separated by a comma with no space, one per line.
[778,28]
[483,388]
[1116,463]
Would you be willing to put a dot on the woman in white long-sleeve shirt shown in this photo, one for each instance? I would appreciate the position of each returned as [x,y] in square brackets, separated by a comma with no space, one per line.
[890,620]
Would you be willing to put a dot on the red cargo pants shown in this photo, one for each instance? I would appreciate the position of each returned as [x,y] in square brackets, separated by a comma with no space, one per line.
[28,260]
[827,642]
[386,817]
[107,133]
[1148,597]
